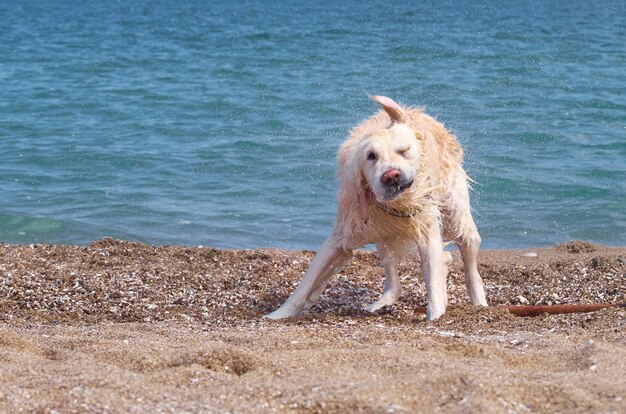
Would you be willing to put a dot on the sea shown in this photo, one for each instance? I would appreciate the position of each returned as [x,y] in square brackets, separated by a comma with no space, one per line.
[218,123]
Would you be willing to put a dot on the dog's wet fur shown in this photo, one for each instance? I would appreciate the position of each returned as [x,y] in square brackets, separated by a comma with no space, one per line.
[403,188]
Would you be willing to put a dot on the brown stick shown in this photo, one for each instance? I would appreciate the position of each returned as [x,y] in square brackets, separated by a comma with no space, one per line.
[527,310]
[536,310]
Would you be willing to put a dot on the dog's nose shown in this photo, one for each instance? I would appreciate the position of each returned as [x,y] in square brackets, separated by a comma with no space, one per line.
[391,177]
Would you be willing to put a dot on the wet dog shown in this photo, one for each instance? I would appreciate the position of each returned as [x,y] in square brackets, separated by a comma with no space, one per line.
[403,188]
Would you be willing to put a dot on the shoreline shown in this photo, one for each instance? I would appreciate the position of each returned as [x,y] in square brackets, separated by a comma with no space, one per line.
[119,326]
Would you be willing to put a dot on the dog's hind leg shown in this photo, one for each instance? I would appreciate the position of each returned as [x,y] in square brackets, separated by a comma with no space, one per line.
[328,261]
[391,288]
[469,243]
[447,261]
[467,238]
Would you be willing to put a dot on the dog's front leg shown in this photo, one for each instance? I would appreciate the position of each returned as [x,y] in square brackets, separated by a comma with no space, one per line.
[434,270]
[329,260]
[392,288]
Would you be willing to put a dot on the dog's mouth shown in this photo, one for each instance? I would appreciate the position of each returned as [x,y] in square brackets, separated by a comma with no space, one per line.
[393,191]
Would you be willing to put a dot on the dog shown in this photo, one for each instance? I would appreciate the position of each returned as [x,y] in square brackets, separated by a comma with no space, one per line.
[403,188]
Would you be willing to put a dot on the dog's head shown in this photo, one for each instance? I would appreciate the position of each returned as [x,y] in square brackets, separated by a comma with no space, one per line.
[389,161]
[381,162]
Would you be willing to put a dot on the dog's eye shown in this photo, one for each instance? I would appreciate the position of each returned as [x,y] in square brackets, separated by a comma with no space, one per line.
[403,152]
[372,156]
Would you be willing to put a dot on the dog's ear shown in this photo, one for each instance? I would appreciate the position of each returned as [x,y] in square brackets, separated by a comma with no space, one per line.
[395,111]
[354,196]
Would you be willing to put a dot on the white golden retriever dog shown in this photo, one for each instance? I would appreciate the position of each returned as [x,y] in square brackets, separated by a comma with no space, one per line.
[402,187]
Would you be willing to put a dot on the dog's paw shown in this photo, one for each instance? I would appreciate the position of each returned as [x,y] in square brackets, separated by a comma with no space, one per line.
[379,304]
[373,307]
[281,313]
[434,312]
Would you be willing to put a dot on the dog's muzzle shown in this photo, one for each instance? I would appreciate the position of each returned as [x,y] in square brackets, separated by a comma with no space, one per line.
[394,183]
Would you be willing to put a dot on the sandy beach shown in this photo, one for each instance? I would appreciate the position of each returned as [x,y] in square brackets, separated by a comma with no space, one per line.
[121,327]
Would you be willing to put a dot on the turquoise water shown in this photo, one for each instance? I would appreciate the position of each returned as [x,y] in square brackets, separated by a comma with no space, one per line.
[204,124]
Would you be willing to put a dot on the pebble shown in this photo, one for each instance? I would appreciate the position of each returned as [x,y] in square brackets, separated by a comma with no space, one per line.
[530,254]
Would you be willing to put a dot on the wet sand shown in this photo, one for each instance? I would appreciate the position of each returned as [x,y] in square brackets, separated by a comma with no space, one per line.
[126,327]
